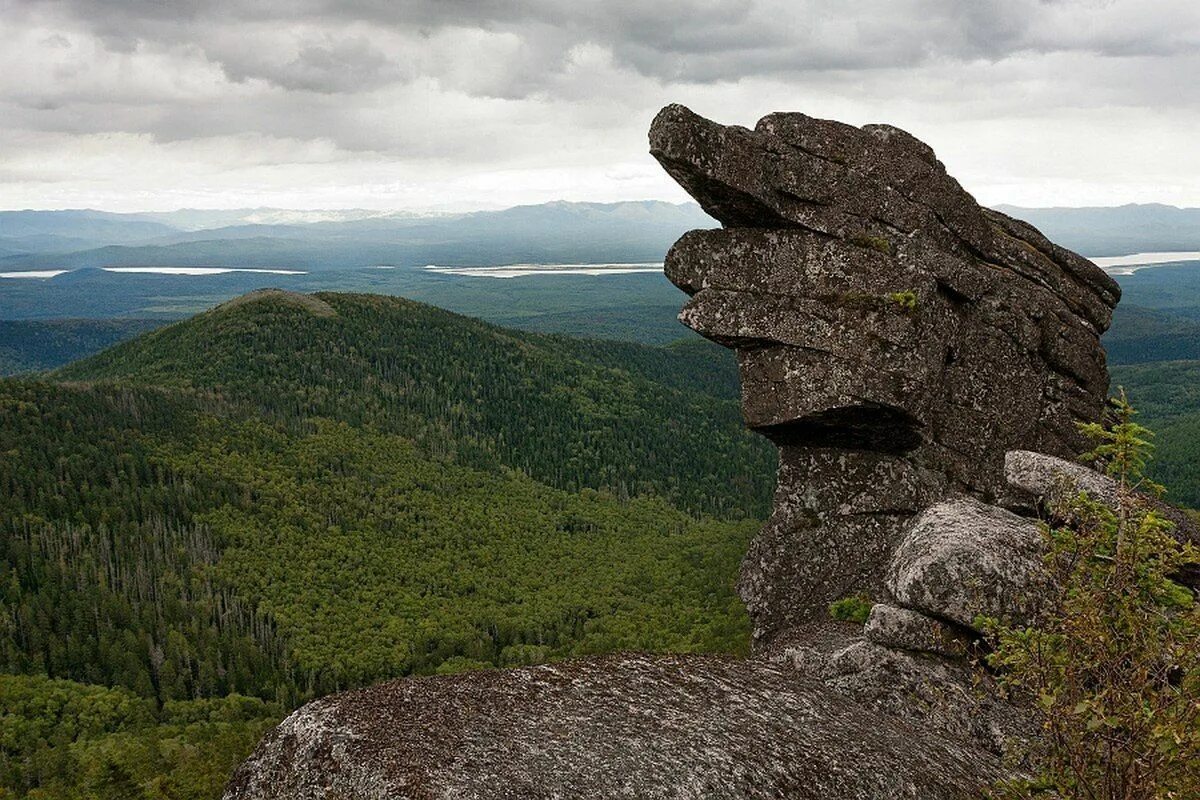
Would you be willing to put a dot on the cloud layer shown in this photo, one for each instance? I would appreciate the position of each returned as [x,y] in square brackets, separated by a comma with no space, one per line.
[458,103]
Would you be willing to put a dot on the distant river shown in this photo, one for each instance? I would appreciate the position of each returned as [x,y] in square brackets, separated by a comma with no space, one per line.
[523,270]
[1127,265]
[54,273]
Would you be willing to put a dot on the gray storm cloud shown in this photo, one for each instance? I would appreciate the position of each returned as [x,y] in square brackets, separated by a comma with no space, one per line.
[332,43]
[429,94]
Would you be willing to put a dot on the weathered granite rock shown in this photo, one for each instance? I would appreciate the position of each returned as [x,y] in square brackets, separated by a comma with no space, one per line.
[961,559]
[1038,481]
[894,338]
[949,696]
[1042,484]
[622,726]
[905,629]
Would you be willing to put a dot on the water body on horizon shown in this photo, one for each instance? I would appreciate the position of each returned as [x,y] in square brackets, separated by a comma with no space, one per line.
[524,270]
[1128,265]
[46,274]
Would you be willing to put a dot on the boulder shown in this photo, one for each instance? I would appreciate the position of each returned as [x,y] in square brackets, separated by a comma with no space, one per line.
[905,629]
[1044,481]
[947,696]
[961,559]
[618,726]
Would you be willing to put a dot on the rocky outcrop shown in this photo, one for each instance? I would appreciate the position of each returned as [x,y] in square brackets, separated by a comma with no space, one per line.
[894,338]
[897,342]
[620,726]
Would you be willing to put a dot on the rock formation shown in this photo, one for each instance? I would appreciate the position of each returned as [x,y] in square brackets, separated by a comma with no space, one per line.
[895,339]
[900,344]
[618,726]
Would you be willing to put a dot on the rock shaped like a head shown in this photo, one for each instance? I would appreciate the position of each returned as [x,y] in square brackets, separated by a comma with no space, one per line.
[895,339]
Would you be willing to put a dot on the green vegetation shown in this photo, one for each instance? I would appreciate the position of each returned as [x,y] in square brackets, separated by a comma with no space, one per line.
[1141,335]
[1113,666]
[72,741]
[907,300]
[650,324]
[571,413]
[33,345]
[855,608]
[206,526]
[191,554]
[877,243]
[1167,394]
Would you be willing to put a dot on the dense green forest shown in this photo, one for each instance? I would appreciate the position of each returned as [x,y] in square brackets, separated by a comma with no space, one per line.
[571,413]
[62,739]
[291,495]
[34,345]
[288,495]
[1167,396]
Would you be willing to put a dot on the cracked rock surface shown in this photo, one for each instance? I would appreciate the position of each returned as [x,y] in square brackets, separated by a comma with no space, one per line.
[618,726]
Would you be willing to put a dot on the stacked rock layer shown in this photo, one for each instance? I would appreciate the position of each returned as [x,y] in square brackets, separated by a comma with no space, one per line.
[895,339]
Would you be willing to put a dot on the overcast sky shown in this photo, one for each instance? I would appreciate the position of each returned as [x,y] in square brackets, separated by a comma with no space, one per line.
[450,104]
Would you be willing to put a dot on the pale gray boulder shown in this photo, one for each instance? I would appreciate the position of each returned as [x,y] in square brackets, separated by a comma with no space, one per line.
[1043,480]
[905,629]
[1043,484]
[677,727]
[962,559]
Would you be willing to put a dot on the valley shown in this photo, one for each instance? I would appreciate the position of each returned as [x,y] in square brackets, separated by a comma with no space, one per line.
[214,509]
[290,495]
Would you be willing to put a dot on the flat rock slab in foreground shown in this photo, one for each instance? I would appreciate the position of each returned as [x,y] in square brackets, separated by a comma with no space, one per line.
[621,726]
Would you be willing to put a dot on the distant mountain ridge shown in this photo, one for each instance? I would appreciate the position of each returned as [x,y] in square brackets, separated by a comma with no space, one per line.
[1117,230]
[546,233]
[557,231]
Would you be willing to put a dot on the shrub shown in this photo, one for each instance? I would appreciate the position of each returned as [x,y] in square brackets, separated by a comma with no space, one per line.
[1112,669]
[855,608]
[907,300]
[877,243]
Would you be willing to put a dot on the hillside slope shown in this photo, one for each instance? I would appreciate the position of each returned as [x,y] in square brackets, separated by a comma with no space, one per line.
[34,345]
[570,413]
[296,494]
[1167,396]
[170,545]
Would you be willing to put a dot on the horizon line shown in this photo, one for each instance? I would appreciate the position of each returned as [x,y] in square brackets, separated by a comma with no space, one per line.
[436,211]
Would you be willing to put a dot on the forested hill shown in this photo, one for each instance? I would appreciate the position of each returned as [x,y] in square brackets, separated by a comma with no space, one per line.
[292,494]
[571,413]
